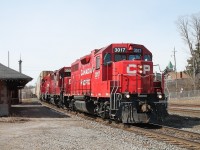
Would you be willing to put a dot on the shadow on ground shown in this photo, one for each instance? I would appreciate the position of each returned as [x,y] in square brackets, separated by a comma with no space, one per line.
[35,110]
[181,121]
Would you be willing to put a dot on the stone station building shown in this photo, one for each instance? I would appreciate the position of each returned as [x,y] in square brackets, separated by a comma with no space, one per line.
[11,82]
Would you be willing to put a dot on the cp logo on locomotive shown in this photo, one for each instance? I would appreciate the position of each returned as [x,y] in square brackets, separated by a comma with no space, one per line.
[132,69]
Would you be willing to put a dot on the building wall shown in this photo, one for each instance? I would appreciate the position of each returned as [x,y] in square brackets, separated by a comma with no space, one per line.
[4,99]
[14,96]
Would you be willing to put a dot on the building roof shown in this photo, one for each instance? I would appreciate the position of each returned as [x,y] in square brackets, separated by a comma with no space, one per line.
[10,74]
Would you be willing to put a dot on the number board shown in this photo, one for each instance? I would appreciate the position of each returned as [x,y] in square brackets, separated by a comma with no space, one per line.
[119,50]
[137,50]
[67,70]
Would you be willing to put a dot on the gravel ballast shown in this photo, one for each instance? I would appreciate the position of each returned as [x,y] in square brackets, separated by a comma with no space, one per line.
[72,133]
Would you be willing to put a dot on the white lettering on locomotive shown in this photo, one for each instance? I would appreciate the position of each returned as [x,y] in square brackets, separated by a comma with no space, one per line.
[86,71]
[85,82]
[132,69]
[67,70]
[119,49]
[146,68]
[97,74]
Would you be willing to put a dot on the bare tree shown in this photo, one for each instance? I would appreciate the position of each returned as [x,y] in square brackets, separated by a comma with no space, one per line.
[189,28]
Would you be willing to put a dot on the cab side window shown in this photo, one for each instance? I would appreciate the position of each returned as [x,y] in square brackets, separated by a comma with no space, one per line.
[107,58]
[147,58]
[97,62]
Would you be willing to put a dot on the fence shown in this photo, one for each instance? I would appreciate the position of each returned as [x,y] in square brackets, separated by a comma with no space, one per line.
[184,95]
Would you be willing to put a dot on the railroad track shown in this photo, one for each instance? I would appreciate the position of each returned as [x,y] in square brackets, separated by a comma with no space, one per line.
[185,105]
[192,111]
[174,139]
[174,136]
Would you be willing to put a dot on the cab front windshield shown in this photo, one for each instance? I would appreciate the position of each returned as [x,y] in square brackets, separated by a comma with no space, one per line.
[119,57]
[134,57]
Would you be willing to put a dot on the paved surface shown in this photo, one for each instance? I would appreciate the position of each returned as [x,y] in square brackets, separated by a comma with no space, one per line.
[33,109]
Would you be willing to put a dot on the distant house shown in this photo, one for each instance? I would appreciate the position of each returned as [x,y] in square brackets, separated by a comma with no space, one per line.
[179,75]
[178,82]
[10,82]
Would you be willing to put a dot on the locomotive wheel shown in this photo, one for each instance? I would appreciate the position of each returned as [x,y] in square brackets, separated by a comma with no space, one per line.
[66,103]
[56,100]
[60,105]
[61,101]
[71,105]
[104,110]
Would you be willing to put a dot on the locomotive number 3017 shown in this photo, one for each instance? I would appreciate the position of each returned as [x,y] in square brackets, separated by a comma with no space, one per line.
[119,50]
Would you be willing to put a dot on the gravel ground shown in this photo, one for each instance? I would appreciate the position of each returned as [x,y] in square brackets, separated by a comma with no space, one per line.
[183,120]
[56,131]
[71,134]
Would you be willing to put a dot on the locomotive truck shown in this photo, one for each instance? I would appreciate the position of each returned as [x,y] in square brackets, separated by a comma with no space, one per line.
[116,82]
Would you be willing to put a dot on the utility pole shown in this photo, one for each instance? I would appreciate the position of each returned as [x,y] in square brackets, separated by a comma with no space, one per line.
[8,60]
[175,67]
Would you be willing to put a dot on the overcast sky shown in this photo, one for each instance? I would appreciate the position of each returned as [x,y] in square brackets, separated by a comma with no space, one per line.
[50,34]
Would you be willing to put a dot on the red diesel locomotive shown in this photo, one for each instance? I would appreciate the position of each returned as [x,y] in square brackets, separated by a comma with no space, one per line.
[114,82]
[55,86]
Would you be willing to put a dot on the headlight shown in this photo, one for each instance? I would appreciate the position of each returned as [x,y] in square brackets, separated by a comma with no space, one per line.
[160,96]
[140,66]
[140,71]
[127,95]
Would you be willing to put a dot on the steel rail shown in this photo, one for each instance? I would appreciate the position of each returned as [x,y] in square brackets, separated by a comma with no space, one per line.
[193,111]
[185,105]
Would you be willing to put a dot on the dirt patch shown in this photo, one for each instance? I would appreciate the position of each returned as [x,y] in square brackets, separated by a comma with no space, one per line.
[13,120]
[186,101]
